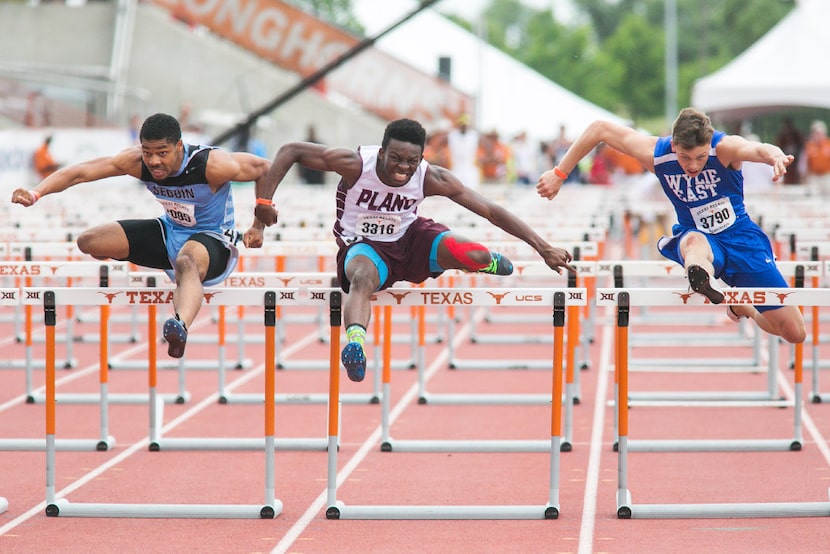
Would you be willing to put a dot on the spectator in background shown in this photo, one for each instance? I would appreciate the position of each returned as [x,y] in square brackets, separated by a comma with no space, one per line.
[494,158]
[37,111]
[463,145]
[600,173]
[759,177]
[817,159]
[524,159]
[437,149]
[186,121]
[558,147]
[307,175]
[133,128]
[791,142]
[42,159]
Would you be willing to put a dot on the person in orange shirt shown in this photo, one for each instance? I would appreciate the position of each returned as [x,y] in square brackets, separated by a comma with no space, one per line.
[817,158]
[493,158]
[623,163]
[42,160]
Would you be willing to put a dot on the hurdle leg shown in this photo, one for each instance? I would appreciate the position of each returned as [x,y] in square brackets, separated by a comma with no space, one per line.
[387,378]
[103,363]
[336,322]
[623,494]
[571,371]
[552,509]
[50,321]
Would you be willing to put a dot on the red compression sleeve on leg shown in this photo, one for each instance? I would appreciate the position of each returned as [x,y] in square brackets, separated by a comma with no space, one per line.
[461,252]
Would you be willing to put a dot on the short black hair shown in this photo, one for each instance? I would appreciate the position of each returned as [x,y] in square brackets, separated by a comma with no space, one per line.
[406,130]
[161,126]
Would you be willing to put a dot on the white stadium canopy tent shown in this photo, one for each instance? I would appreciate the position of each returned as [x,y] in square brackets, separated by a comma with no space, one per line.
[787,67]
[510,97]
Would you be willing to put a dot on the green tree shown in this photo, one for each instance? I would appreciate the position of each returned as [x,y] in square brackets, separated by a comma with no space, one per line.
[616,60]
[336,12]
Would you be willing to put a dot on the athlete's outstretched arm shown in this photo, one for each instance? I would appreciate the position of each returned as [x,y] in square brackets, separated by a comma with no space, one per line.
[620,137]
[735,149]
[344,161]
[442,182]
[126,162]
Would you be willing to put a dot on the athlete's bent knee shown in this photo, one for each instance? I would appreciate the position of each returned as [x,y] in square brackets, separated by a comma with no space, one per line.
[472,255]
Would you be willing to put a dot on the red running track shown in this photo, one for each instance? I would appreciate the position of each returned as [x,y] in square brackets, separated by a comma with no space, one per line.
[130,473]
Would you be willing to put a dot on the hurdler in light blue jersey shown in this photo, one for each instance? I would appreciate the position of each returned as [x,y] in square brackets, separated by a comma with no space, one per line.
[190,207]
[193,242]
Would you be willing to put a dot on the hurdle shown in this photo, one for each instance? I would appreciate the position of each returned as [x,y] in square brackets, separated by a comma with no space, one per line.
[284,297]
[769,395]
[65,252]
[626,508]
[296,288]
[50,298]
[574,338]
[104,397]
[337,509]
[142,279]
[104,442]
[621,271]
[674,297]
[519,250]
[26,272]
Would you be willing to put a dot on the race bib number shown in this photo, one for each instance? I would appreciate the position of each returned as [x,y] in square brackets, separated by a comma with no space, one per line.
[183,214]
[377,225]
[715,216]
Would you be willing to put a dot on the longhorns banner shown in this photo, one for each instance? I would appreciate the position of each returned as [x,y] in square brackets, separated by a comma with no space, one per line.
[294,40]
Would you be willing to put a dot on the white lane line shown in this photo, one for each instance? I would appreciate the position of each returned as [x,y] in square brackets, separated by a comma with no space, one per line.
[806,420]
[371,443]
[589,506]
[208,401]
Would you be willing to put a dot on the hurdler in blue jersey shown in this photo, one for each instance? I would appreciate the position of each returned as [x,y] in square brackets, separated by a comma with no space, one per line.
[381,237]
[699,170]
[194,240]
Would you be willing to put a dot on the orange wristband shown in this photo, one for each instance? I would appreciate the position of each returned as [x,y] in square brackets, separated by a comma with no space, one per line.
[559,173]
[36,195]
[265,201]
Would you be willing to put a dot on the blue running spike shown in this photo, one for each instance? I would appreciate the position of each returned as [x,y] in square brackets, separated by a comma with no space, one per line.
[354,360]
[499,265]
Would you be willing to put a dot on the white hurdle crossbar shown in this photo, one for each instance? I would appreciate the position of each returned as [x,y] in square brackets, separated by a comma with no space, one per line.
[623,300]
[51,298]
[555,298]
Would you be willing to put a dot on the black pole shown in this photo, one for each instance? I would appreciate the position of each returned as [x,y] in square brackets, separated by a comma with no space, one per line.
[316,76]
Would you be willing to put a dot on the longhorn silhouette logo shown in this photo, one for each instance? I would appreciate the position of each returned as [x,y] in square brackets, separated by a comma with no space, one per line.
[209,296]
[498,296]
[684,296]
[782,296]
[398,296]
[110,296]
